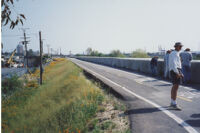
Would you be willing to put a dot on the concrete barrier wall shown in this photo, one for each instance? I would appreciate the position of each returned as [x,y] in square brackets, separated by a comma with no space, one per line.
[140,65]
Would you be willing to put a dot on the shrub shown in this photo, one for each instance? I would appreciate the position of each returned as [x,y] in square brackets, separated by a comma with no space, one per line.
[139,53]
[11,84]
[116,53]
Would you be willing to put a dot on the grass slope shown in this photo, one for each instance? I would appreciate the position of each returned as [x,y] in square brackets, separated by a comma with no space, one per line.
[64,103]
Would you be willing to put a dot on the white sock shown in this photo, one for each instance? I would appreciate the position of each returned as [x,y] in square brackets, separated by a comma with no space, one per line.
[173,102]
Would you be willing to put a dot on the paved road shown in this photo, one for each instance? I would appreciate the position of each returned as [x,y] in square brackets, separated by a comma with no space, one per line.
[148,99]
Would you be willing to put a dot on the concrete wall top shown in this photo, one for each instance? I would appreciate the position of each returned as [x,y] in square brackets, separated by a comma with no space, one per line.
[148,59]
[140,64]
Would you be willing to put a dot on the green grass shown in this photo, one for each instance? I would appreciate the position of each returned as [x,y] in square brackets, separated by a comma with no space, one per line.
[95,127]
[108,125]
[65,102]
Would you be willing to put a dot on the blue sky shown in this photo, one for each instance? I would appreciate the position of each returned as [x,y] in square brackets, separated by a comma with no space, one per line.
[105,25]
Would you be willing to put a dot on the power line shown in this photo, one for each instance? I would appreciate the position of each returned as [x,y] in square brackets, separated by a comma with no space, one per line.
[10,35]
[16,35]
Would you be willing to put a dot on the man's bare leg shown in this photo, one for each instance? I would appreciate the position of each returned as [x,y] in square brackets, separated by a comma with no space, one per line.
[174,91]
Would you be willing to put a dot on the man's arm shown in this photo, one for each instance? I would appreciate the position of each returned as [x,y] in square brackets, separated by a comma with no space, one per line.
[191,57]
[181,56]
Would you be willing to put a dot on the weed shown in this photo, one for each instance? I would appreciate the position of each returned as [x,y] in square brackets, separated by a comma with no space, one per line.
[101,108]
[119,106]
[108,125]
[128,131]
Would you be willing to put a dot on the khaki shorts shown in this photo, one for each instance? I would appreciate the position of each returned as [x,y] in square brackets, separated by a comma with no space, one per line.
[174,78]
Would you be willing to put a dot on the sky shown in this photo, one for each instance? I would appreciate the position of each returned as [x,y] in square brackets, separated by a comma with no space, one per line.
[105,25]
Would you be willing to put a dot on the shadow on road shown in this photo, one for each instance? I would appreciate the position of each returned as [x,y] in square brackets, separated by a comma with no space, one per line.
[194,122]
[155,80]
[164,85]
[195,115]
[141,111]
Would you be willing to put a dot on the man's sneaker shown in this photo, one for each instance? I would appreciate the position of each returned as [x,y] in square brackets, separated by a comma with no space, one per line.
[175,107]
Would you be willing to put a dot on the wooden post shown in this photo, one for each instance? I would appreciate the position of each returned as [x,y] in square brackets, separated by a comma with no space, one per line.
[41,69]
[25,43]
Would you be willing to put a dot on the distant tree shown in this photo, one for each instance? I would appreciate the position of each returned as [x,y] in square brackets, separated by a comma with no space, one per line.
[7,16]
[91,52]
[88,51]
[94,53]
[139,53]
[78,55]
[116,53]
[101,54]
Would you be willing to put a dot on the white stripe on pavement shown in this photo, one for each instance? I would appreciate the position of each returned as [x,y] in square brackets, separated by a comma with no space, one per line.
[185,125]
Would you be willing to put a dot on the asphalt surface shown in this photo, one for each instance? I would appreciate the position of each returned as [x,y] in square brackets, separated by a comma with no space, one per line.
[148,99]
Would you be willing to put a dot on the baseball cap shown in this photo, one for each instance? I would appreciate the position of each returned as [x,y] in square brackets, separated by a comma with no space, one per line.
[178,44]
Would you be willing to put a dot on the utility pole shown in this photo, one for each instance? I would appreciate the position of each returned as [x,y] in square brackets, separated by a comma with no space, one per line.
[25,42]
[60,51]
[70,53]
[51,51]
[48,49]
[1,48]
[41,69]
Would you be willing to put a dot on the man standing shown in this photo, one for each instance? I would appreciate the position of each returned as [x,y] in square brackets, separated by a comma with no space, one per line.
[175,73]
[153,63]
[166,63]
[186,58]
